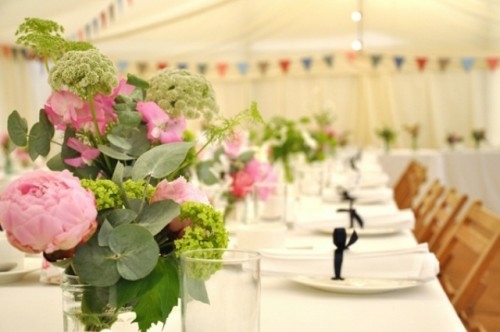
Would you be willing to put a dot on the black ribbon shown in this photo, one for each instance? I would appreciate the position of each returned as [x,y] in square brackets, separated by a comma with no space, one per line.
[353,215]
[340,241]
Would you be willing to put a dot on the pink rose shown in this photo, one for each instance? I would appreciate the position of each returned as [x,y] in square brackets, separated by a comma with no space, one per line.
[234,144]
[179,191]
[242,183]
[47,211]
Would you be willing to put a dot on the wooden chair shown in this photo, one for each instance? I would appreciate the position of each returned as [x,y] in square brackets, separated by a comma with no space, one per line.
[409,183]
[466,256]
[426,205]
[437,227]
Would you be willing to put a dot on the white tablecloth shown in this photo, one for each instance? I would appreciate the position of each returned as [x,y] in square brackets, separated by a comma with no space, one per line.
[28,306]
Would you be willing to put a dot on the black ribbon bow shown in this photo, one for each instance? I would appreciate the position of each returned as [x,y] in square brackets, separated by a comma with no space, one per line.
[353,215]
[340,241]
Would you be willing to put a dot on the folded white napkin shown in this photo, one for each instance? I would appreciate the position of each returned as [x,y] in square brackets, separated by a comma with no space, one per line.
[362,195]
[322,218]
[415,263]
[351,179]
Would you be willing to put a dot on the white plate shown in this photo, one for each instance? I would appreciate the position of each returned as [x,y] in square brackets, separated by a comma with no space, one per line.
[30,265]
[355,285]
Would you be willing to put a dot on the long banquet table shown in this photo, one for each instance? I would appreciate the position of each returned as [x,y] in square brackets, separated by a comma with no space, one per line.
[28,305]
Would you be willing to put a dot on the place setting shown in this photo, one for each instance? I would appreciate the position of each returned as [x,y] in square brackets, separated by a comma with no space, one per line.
[342,269]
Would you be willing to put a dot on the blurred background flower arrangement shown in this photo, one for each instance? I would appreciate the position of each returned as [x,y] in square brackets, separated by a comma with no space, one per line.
[116,206]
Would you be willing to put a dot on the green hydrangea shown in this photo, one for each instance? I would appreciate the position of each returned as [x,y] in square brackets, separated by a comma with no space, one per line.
[106,193]
[179,92]
[206,231]
[85,73]
[135,189]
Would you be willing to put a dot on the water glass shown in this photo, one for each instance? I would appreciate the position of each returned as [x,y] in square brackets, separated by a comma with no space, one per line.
[220,290]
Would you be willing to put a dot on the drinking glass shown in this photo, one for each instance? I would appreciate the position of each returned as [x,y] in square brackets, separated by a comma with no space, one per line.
[220,290]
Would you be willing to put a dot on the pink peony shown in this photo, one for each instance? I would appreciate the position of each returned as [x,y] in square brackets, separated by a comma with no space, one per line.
[179,191]
[47,211]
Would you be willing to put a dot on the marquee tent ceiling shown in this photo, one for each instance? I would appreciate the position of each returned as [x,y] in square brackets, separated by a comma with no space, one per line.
[191,30]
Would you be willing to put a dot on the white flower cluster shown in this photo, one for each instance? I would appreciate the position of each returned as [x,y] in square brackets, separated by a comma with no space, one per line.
[85,73]
[179,92]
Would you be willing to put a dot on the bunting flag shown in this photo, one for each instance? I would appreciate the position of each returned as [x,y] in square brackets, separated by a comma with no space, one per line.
[182,66]
[111,12]
[263,66]
[243,68]
[351,56]
[307,63]
[6,50]
[119,4]
[222,68]
[468,63]
[202,68]
[421,63]
[161,65]
[376,59]
[443,63]
[284,65]
[142,67]
[103,19]
[399,61]
[329,60]
[492,63]
[122,66]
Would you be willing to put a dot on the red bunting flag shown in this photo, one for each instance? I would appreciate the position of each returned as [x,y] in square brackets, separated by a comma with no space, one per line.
[351,56]
[492,63]
[421,63]
[222,68]
[161,65]
[103,19]
[285,65]
[6,50]
[81,35]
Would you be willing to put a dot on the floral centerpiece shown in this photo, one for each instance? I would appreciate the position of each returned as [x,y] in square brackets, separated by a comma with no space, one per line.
[284,141]
[234,169]
[115,209]
[321,139]
[478,136]
[414,132]
[453,139]
[388,136]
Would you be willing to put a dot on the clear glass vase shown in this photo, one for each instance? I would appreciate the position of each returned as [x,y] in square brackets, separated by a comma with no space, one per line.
[76,296]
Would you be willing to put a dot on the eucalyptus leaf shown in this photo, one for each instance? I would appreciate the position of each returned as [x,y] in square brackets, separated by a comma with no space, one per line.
[136,251]
[205,173]
[197,289]
[102,237]
[56,163]
[118,174]
[246,156]
[129,118]
[47,126]
[39,141]
[95,265]
[113,153]
[120,142]
[161,160]
[157,215]
[18,129]
[119,217]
